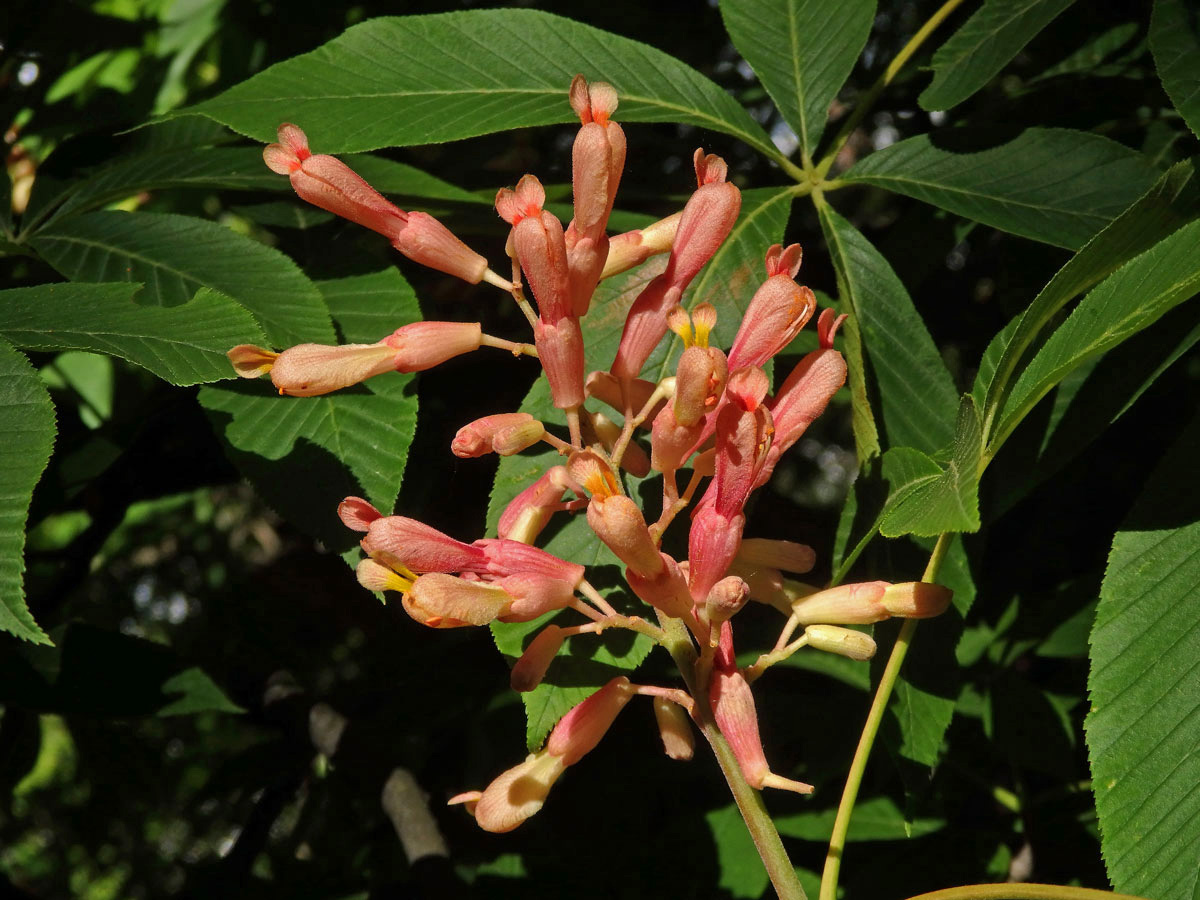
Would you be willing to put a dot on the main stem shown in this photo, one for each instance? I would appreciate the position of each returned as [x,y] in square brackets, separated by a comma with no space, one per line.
[758,821]
[864,105]
[837,841]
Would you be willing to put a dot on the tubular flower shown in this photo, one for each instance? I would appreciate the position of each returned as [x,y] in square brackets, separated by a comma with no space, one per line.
[805,393]
[779,309]
[597,158]
[872,601]
[743,432]
[520,792]
[632,248]
[540,247]
[615,518]
[706,222]
[503,433]
[733,708]
[308,370]
[333,186]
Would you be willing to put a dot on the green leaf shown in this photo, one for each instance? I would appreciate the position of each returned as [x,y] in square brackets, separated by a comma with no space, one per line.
[917,400]
[984,44]
[742,874]
[429,79]
[180,344]
[1131,299]
[27,423]
[802,51]
[1088,57]
[354,442]
[947,501]
[875,819]
[1144,684]
[1173,201]
[198,693]
[1053,185]
[174,255]
[1175,43]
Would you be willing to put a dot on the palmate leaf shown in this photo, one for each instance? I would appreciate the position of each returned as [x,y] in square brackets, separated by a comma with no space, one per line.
[428,79]
[802,51]
[1131,299]
[1175,43]
[947,501]
[353,442]
[180,344]
[1053,185]
[1173,201]
[916,395]
[175,255]
[1144,685]
[984,44]
[27,423]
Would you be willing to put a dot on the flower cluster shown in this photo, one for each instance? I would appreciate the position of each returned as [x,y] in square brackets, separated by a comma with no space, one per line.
[716,416]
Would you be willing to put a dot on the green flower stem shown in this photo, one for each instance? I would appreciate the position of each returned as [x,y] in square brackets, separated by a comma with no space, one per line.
[868,100]
[837,841]
[1022,892]
[758,821]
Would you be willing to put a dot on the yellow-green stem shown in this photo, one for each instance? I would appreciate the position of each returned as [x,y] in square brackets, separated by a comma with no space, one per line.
[868,100]
[758,821]
[837,841]
[1022,892]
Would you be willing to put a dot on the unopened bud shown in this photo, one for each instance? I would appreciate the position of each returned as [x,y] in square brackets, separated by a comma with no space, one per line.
[581,729]
[530,669]
[674,729]
[516,438]
[725,599]
[916,599]
[842,641]
[633,247]
[618,522]
[846,604]
[479,437]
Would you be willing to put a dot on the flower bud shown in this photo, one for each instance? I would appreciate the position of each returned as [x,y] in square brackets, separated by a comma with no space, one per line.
[846,604]
[842,641]
[725,599]
[530,669]
[674,728]
[581,729]
[618,522]
[477,438]
[916,599]
[444,601]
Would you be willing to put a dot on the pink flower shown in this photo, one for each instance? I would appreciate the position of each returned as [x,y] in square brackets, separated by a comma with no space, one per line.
[706,222]
[779,309]
[332,185]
